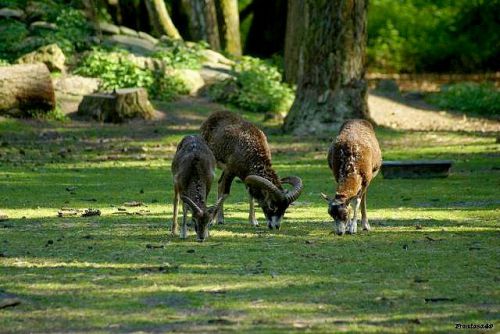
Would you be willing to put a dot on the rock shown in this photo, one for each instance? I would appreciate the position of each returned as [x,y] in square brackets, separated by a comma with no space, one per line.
[212,57]
[191,78]
[51,55]
[43,25]
[9,13]
[119,106]
[108,28]
[148,37]
[128,32]
[387,86]
[135,45]
[76,85]
[211,74]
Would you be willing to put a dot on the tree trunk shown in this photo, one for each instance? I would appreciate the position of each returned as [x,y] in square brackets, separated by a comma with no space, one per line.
[121,105]
[203,22]
[266,35]
[161,22]
[293,41]
[26,87]
[229,26]
[332,87]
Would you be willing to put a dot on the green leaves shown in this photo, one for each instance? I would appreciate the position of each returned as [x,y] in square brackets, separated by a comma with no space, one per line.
[258,87]
[481,99]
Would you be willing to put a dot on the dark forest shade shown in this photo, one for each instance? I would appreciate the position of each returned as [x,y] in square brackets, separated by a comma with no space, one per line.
[332,87]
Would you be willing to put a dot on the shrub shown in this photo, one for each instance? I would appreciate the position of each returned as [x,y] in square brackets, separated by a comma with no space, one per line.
[483,99]
[257,87]
[11,32]
[4,62]
[116,71]
[177,54]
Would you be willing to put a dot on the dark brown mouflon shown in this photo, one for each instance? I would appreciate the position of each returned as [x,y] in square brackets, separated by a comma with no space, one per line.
[355,159]
[193,170]
[241,150]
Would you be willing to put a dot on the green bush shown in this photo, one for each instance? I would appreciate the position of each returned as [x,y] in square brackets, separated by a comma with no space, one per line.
[482,99]
[177,54]
[11,32]
[257,87]
[4,62]
[433,35]
[116,71]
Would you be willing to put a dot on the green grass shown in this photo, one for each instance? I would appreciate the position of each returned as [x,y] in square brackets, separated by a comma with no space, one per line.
[97,274]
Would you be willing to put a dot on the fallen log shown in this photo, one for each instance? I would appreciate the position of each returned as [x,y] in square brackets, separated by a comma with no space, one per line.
[26,87]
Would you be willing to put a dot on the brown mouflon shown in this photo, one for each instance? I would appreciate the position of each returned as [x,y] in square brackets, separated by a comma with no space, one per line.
[241,150]
[193,170]
[355,159]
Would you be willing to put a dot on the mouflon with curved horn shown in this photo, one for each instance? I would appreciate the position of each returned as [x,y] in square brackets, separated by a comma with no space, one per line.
[193,170]
[355,159]
[242,151]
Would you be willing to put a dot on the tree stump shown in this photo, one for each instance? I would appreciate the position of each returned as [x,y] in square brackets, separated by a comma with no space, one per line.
[26,87]
[118,106]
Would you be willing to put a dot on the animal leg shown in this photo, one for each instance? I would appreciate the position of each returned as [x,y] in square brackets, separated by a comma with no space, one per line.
[184,221]
[224,189]
[364,217]
[175,227]
[251,213]
[352,226]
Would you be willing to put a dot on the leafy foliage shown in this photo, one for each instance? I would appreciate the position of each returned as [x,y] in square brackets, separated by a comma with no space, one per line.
[436,36]
[11,32]
[117,71]
[258,87]
[55,114]
[471,97]
[177,54]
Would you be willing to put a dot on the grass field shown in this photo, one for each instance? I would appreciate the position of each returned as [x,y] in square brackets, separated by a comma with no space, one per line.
[431,261]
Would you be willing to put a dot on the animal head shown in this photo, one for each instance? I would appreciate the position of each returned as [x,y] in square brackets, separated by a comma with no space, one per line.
[339,210]
[273,200]
[202,217]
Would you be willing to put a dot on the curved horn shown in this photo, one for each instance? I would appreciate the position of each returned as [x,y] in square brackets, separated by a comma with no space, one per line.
[195,208]
[296,182]
[260,182]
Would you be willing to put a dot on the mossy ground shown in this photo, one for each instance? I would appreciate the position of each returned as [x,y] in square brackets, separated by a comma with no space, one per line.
[431,261]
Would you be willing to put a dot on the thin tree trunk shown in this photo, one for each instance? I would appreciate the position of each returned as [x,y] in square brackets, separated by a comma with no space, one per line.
[332,87]
[203,22]
[161,22]
[229,26]
[293,41]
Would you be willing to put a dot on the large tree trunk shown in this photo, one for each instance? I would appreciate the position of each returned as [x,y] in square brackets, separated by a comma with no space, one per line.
[26,87]
[161,21]
[293,41]
[203,22]
[332,87]
[266,35]
[229,26]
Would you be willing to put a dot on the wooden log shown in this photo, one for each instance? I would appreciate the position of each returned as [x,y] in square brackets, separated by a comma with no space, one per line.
[118,106]
[26,87]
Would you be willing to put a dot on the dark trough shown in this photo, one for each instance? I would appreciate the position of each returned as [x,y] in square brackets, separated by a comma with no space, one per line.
[416,169]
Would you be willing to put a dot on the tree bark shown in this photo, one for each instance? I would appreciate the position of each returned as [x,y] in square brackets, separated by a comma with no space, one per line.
[203,22]
[293,41]
[121,105]
[26,87]
[332,87]
[229,26]
[266,35]
[161,21]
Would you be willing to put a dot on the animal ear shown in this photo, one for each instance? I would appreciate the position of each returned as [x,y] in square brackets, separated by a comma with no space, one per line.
[195,209]
[325,197]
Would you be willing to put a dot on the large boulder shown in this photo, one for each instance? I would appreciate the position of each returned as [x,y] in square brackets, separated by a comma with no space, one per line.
[191,79]
[76,85]
[51,55]
[133,44]
[9,13]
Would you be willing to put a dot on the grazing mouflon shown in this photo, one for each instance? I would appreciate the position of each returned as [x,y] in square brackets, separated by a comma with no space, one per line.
[193,170]
[241,150]
[355,159]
